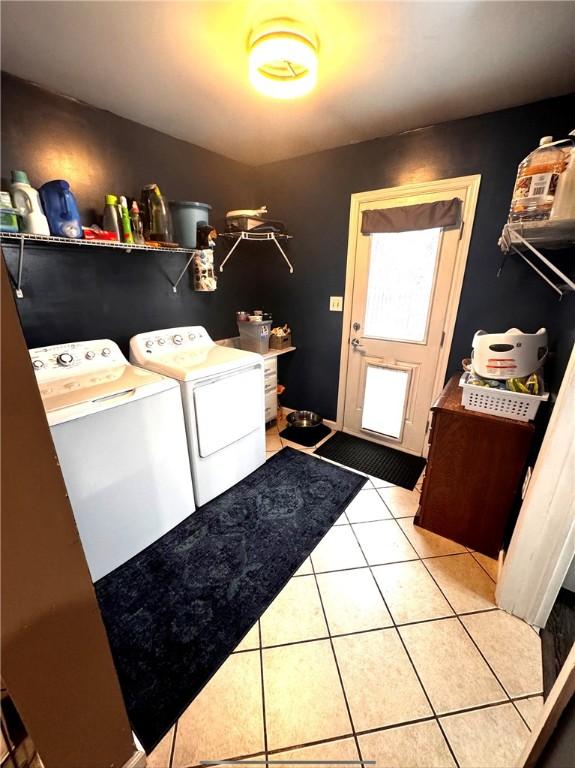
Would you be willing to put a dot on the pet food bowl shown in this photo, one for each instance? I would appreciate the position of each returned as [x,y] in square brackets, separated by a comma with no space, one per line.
[305,419]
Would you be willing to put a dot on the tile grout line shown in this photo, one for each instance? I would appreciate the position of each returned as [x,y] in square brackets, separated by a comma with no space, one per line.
[481,566]
[392,562]
[468,633]
[457,616]
[371,629]
[395,517]
[368,731]
[432,708]
[261,651]
[233,759]
[347,705]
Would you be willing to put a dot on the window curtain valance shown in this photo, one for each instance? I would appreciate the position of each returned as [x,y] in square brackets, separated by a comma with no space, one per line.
[407,218]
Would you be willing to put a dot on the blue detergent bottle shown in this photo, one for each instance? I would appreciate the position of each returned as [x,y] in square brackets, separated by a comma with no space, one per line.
[61,209]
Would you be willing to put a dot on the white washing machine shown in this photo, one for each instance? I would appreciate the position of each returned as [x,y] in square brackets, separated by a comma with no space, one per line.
[223,396]
[121,442]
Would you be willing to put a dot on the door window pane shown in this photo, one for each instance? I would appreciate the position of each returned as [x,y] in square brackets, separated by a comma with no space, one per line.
[400,284]
[384,400]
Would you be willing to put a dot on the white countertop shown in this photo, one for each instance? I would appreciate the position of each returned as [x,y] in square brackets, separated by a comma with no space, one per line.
[235,342]
[276,352]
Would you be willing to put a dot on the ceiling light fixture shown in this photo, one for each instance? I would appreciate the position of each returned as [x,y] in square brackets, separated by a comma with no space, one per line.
[282,59]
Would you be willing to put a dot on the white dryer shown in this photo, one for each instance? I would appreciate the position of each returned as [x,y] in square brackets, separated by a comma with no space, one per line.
[120,438]
[223,397]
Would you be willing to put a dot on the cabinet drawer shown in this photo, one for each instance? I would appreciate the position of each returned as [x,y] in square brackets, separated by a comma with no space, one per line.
[271,412]
[272,400]
[270,367]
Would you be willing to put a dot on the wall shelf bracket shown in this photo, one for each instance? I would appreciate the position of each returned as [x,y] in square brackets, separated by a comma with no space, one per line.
[19,291]
[512,240]
[21,239]
[239,236]
[183,272]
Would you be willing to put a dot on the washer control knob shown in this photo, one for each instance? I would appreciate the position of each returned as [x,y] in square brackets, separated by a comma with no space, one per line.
[65,359]
[192,336]
[106,352]
[177,339]
[149,343]
[37,364]
[90,355]
[161,341]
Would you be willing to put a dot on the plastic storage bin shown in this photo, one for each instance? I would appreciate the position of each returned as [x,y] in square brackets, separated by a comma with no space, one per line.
[185,219]
[500,402]
[255,337]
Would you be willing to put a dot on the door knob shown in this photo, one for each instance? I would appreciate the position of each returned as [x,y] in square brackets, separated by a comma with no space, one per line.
[356,343]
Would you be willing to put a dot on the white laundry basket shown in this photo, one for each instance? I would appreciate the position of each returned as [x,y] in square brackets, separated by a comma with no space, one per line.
[500,402]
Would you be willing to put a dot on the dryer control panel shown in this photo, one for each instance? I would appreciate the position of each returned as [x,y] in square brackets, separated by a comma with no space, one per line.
[75,358]
[169,341]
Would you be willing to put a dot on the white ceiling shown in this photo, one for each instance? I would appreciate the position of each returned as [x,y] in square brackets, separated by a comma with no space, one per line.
[385,67]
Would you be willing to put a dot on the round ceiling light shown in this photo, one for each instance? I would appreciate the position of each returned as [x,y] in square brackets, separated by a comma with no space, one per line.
[282,59]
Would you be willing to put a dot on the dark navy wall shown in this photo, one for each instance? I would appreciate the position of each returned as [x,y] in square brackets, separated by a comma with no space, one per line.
[312,194]
[79,294]
[73,294]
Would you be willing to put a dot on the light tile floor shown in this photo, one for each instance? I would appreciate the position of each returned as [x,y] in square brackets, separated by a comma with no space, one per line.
[386,645]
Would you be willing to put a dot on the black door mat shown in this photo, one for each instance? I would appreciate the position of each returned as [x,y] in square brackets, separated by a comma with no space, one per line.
[176,611]
[307,436]
[380,461]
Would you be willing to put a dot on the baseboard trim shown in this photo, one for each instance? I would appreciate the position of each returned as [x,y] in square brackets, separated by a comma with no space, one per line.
[137,760]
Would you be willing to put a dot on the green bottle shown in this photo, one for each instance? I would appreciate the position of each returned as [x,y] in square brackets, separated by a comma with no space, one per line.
[126,225]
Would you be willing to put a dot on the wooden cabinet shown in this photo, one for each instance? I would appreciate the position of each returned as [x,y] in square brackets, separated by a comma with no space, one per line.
[475,468]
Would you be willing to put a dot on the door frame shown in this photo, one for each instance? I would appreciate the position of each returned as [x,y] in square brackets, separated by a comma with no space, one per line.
[541,548]
[471,185]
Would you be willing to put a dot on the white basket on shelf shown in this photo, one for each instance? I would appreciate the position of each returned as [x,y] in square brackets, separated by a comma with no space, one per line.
[500,402]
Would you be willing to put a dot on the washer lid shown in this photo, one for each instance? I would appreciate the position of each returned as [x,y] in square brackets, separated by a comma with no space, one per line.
[93,390]
[198,363]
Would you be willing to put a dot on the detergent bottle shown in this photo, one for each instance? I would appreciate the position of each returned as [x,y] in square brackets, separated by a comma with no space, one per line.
[27,202]
[61,209]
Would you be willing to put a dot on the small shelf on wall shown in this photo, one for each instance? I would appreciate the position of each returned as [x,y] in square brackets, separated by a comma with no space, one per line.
[237,237]
[21,239]
[527,239]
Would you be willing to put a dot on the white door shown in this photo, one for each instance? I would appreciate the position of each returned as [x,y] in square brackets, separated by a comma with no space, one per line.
[402,310]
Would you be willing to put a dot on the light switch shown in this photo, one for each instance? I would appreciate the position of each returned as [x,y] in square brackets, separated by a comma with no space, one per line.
[336,303]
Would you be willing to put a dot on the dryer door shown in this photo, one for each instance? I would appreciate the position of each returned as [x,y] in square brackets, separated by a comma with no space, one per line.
[228,408]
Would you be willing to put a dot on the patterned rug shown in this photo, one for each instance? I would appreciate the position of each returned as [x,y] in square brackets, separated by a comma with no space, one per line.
[177,610]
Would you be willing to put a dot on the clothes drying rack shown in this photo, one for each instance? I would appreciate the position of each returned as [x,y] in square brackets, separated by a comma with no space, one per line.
[243,235]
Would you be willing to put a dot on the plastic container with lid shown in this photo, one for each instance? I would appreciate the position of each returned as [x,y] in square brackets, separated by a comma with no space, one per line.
[255,336]
[537,179]
[186,216]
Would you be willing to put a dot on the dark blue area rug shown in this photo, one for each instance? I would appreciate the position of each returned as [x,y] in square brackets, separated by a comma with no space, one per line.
[177,610]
